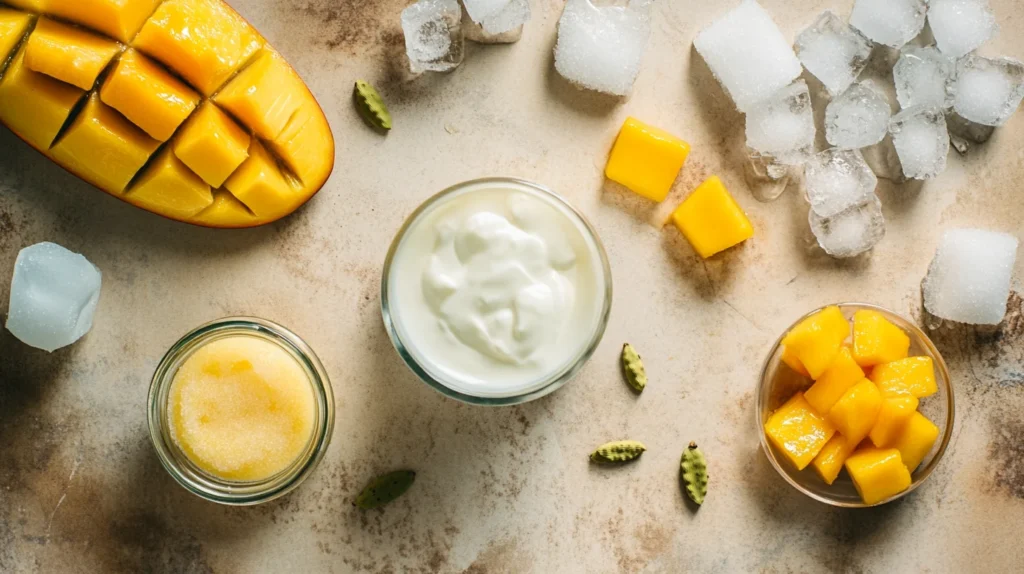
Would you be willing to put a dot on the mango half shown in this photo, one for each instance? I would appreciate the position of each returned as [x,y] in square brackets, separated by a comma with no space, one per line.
[178,107]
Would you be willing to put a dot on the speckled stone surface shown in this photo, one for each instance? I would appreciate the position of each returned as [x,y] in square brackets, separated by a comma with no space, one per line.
[500,490]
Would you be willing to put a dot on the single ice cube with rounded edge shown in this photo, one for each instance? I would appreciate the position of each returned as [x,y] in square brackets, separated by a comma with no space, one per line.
[495,17]
[889,22]
[833,51]
[969,278]
[54,294]
[988,91]
[851,232]
[783,125]
[961,26]
[600,48]
[836,180]
[924,77]
[433,35]
[922,141]
[858,118]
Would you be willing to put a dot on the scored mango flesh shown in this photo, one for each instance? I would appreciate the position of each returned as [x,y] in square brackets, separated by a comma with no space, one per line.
[176,106]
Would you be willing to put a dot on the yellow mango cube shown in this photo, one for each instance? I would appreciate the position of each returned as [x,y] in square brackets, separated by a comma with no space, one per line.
[204,41]
[840,377]
[168,187]
[916,439]
[913,375]
[259,184]
[212,144]
[103,148]
[817,340]
[829,461]
[147,95]
[120,19]
[68,54]
[856,412]
[892,417]
[13,25]
[790,359]
[33,105]
[877,473]
[646,159]
[33,5]
[264,96]
[798,431]
[876,340]
[225,211]
[306,144]
[711,220]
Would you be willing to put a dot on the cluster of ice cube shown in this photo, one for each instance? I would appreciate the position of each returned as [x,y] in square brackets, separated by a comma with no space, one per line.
[969,278]
[435,30]
[600,47]
[54,293]
[845,215]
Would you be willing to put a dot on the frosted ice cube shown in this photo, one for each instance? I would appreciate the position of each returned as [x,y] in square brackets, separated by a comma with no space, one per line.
[783,125]
[924,77]
[851,232]
[921,140]
[988,91]
[961,26]
[54,294]
[433,35]
[600,48]
[748,54]
[833,51]
[836,180]
[889,22]
[857,118]
[495,17]
[969,278]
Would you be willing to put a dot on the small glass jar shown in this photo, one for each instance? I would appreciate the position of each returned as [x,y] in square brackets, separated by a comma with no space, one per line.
[435,377]
[202,483]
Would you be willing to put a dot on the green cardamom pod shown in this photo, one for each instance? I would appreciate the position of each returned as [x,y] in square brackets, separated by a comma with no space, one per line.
[386,488]
[633,367]
[371,106]
[618,452]
[695,473]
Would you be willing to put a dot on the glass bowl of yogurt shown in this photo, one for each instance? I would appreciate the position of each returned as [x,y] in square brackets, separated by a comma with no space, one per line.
[496,291]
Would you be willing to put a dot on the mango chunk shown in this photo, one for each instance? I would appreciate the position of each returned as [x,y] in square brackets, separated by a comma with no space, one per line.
[855,414]
[147,95]
[711,220]
[212,145]
[798,431]
[913,375]
[68,54]
[876,340]
[33,5]
[33,105]
[829,462]
[306,145]
[103,148]
[840,377]
[817,340]
[264,96]
[916,440]
[259,184]
[877,473]
[892,417]
[204,41]
[793,362]
[119,19]
[646,159]
[13,25]
[226,211]
[169,187]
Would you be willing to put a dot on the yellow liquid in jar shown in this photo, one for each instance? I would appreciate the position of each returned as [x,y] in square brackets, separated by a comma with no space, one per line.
[241,408]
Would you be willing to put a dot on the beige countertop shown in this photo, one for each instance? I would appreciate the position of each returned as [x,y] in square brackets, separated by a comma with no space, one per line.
[509,489]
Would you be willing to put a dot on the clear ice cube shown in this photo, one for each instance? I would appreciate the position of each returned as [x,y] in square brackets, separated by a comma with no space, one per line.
[54,294]
[988,91]
[859,117]
[600,48]
[884,160]
[851,232]
[922,141]
[964,133]
[961,26]
[836,180]
[433,35]
[924,77]
[748,54]
[892,23]
[833,51]
[969,278]
[783,125]
[496,17]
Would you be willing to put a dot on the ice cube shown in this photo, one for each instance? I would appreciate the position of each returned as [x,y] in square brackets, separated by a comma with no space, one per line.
[783,125]
[836,180]
[748,54]
[988,91]
[884,160]
[53,296]
[969,278]
[859,117]
[924,77]
[922,141]
[433,35]
[889,22]
[833,51]
[963,133]
[961,26]
[851,232]
[600,48]
[496,17]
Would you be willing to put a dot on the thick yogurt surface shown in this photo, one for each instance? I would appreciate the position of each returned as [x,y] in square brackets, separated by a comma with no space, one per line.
[496,288]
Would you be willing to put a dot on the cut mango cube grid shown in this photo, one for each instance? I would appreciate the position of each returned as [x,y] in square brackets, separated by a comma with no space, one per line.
[646,159]
[13,25]
[68,54]
[148,95]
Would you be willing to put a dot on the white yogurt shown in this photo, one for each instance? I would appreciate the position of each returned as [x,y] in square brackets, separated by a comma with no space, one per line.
[496,289]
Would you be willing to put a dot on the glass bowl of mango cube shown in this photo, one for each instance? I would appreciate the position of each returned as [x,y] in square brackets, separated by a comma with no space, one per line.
[855,404]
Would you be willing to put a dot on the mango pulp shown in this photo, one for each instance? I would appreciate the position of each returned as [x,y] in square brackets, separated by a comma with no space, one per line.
[829,462]
[68,54]
[817,340]
[916,439]
[147,95]
[212,145]
[34,105]
[840,377]
[798,431]
[856,412]
[646,159]
[892,417]
[119,19]
[711,220]
[914,376]
[876,340]
[877,473]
